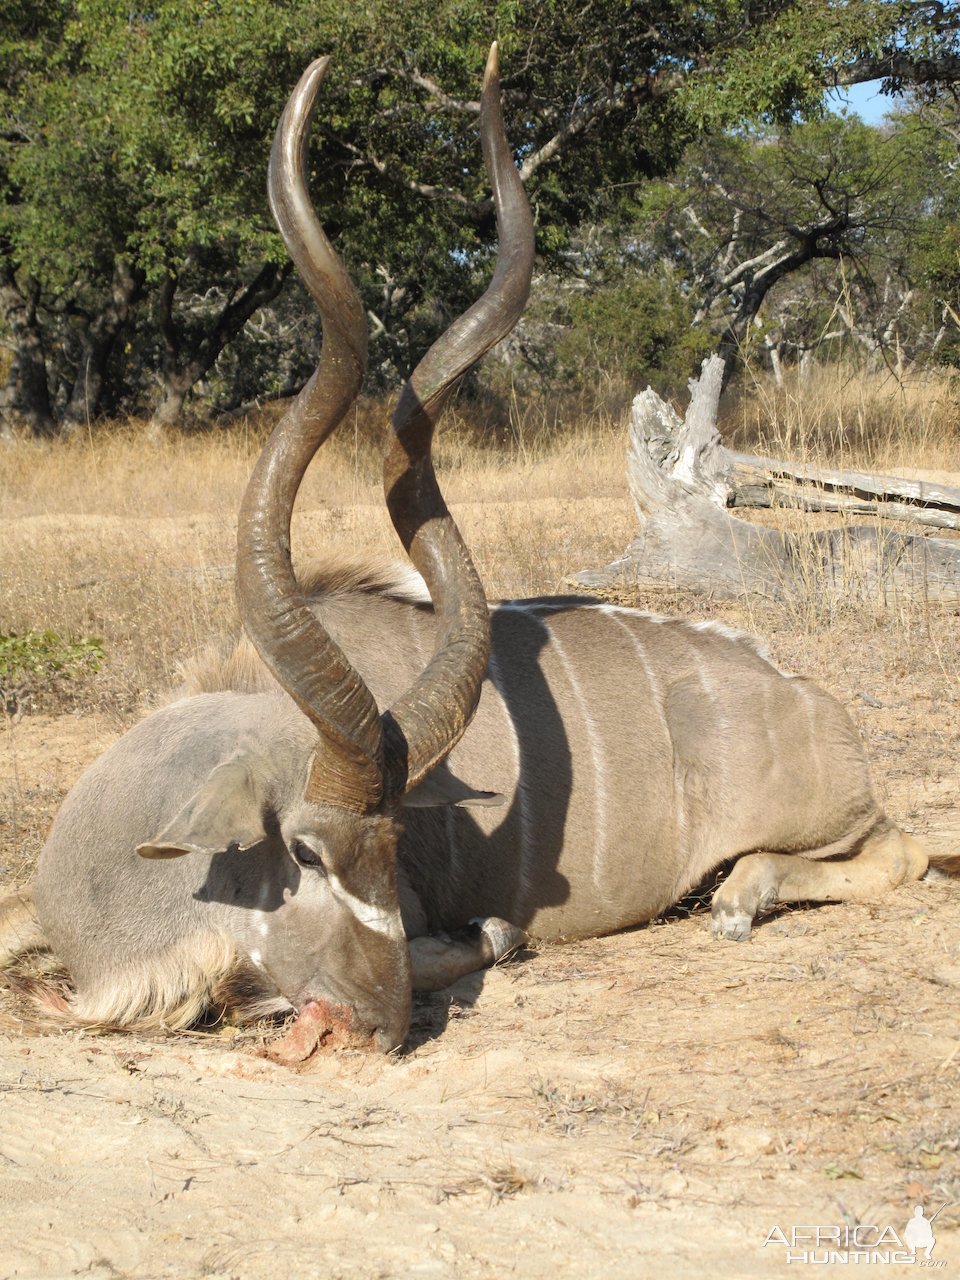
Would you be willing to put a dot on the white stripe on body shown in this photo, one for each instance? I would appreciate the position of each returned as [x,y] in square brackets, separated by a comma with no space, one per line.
[656,697]
[817,758]
[595,743]
[611,612]
[524,882]
[707,626]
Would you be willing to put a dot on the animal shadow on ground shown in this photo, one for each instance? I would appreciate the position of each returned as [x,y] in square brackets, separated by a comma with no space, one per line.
[433,1011]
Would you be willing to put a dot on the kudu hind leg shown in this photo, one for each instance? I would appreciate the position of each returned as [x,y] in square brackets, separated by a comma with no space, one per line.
[758,881]
[437,960]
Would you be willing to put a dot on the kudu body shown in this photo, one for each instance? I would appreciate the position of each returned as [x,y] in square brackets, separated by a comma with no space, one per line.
[634,754]
[245,842]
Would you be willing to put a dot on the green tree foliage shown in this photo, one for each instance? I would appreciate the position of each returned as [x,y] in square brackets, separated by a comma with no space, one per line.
[932,131]
[747,218]
[135,244]
[634,328]
[790,52]
[136,168]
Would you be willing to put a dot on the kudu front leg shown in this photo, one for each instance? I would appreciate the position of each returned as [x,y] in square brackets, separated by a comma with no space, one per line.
[759,881]
[437,960]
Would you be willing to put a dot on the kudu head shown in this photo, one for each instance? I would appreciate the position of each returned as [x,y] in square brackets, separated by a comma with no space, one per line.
[342,938]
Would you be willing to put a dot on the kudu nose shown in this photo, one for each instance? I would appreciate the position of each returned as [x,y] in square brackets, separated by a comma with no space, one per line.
[393,1024]
[388,1040]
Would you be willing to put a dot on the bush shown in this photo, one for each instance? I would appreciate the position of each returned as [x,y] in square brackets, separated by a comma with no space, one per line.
[638,331]
[42,670]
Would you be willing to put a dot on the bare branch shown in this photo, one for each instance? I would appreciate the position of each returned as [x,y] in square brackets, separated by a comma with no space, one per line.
[898,66]
[426,189]
[578,122]
[459,105]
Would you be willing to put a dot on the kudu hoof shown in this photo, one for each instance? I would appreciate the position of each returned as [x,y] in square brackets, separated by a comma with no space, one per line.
[733,925]
[500,938]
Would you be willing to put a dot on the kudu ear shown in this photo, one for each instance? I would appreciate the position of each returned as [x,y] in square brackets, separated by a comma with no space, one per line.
[226,813]
[441,788]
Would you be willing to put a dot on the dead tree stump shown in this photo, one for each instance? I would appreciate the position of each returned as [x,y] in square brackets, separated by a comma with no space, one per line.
[684,481]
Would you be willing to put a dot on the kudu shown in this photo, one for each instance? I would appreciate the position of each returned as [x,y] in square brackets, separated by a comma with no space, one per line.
[247,839]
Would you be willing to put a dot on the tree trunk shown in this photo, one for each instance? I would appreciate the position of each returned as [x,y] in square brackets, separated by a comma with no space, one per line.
[169,412]
[6,404]
[755,289]
[776,364]
[98,340]
[183,369]
[7,398]
[31,397]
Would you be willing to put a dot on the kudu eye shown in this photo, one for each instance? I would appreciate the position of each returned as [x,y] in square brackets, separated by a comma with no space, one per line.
[306,855]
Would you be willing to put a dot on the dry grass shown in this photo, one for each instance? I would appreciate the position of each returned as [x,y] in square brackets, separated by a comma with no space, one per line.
[843,417]
[112,535]
[132,541]
[120,470]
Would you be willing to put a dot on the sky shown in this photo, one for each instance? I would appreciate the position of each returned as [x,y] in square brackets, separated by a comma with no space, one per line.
[865,99]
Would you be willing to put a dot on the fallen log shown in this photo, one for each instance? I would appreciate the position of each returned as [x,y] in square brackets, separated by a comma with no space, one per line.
[776,482]
[683,482]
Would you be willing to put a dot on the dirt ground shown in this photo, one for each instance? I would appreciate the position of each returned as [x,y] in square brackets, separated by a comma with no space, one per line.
[654,1103]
